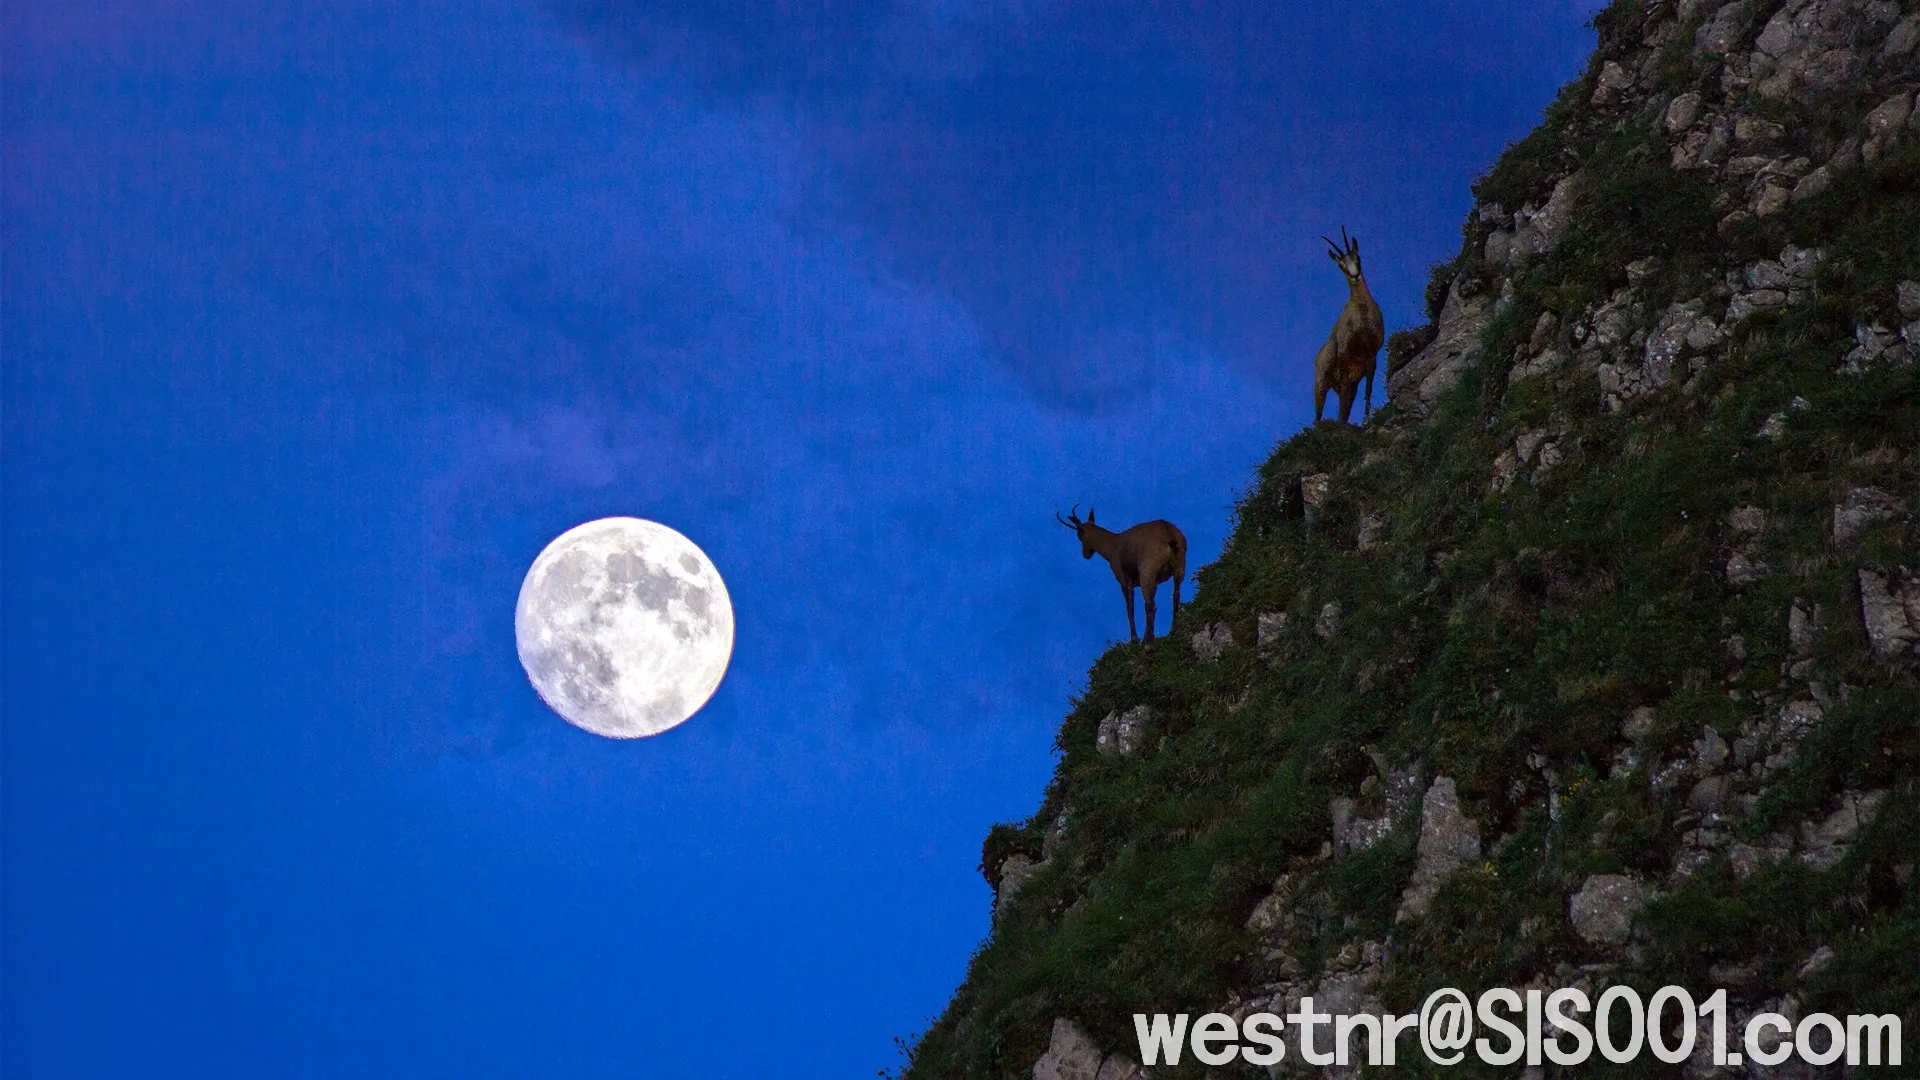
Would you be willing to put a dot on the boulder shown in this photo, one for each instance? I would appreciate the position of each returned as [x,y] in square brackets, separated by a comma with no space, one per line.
[1681,113]
[1121,732]
[1373,525]
[1901,40]
[1800,630]
[1056,835]
[1351,832]
[1710,751]
[1014,873]
[1612,85]
[1314,489]
[1823,844]
[1907,296]
[1814,183]
[1885,125]
[1274,914]
[1724,30]
[1860,508]
[1602,912]
[1448,840]
[1888,613]
[1212,641]
[1272,627]
[1071,1055]
[1416,385]
[1328,624]
[1543,230]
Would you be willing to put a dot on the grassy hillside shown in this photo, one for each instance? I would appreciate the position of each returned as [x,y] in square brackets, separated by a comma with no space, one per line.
[1549,582]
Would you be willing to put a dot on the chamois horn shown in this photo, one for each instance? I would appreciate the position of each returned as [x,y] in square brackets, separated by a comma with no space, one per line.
[1074,514]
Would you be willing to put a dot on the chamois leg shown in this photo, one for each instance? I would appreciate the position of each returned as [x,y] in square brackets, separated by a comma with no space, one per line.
[1149,591]
[1319,401]
[1346,402]
[1133,634]
[1368,410]
[1174,613]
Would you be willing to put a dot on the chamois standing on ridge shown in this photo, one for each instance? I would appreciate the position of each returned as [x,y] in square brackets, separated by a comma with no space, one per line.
[1141,557]
[1350,351]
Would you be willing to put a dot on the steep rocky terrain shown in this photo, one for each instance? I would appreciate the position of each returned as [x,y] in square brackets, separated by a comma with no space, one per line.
[1593,658]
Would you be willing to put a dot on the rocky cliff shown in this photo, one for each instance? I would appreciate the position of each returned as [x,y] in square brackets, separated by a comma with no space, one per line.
[1593,657]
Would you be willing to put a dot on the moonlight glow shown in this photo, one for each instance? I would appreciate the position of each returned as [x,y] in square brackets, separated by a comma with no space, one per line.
[624,627]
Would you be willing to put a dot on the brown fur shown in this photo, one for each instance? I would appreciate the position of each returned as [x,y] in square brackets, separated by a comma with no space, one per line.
[1141,557]
[1351,350]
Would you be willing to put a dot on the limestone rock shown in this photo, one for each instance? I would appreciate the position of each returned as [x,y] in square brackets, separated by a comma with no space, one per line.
[1772,198]
[1752,131]
[1613,83]
[1428,373]
[1890,609]
[1908,298]
[1744,859]
[1121,732]
[1814,183]
[1824,844]
[1328,624]
[1602,912]
[1707,794]
[1056,835]
[1314,489]
[1796,718]
[1710,750]
[1351,832]
[1800,631]
[1860,508]
[1213,640]
[1448,839]
[1681,113]
[1724,30]
[1014,873]
[1373,525]
[1746,304]
[1767,274]
[1901,39]
[1071,1055]
[1271,629]
[1875,344]
[1274,913]
[1743,571]
[1885,125]
[1781,33]
[1815,963]
[1542,230]
[1638,722]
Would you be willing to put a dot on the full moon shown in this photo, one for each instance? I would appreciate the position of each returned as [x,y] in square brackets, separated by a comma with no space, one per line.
[624,627]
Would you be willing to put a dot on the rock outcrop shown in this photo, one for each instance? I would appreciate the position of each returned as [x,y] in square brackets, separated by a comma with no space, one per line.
[1121,732]
[1448,840]
[1072,1055]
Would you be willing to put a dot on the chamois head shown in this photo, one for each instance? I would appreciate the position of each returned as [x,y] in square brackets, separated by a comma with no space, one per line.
[1072,521]
[1346,254]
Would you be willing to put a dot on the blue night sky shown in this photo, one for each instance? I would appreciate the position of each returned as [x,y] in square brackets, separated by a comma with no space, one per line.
[321,320]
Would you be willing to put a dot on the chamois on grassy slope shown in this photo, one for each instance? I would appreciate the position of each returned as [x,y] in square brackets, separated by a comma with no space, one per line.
[1350,351]
[1141,557]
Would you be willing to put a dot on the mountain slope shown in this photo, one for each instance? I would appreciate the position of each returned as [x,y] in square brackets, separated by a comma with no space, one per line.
[1593,657]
